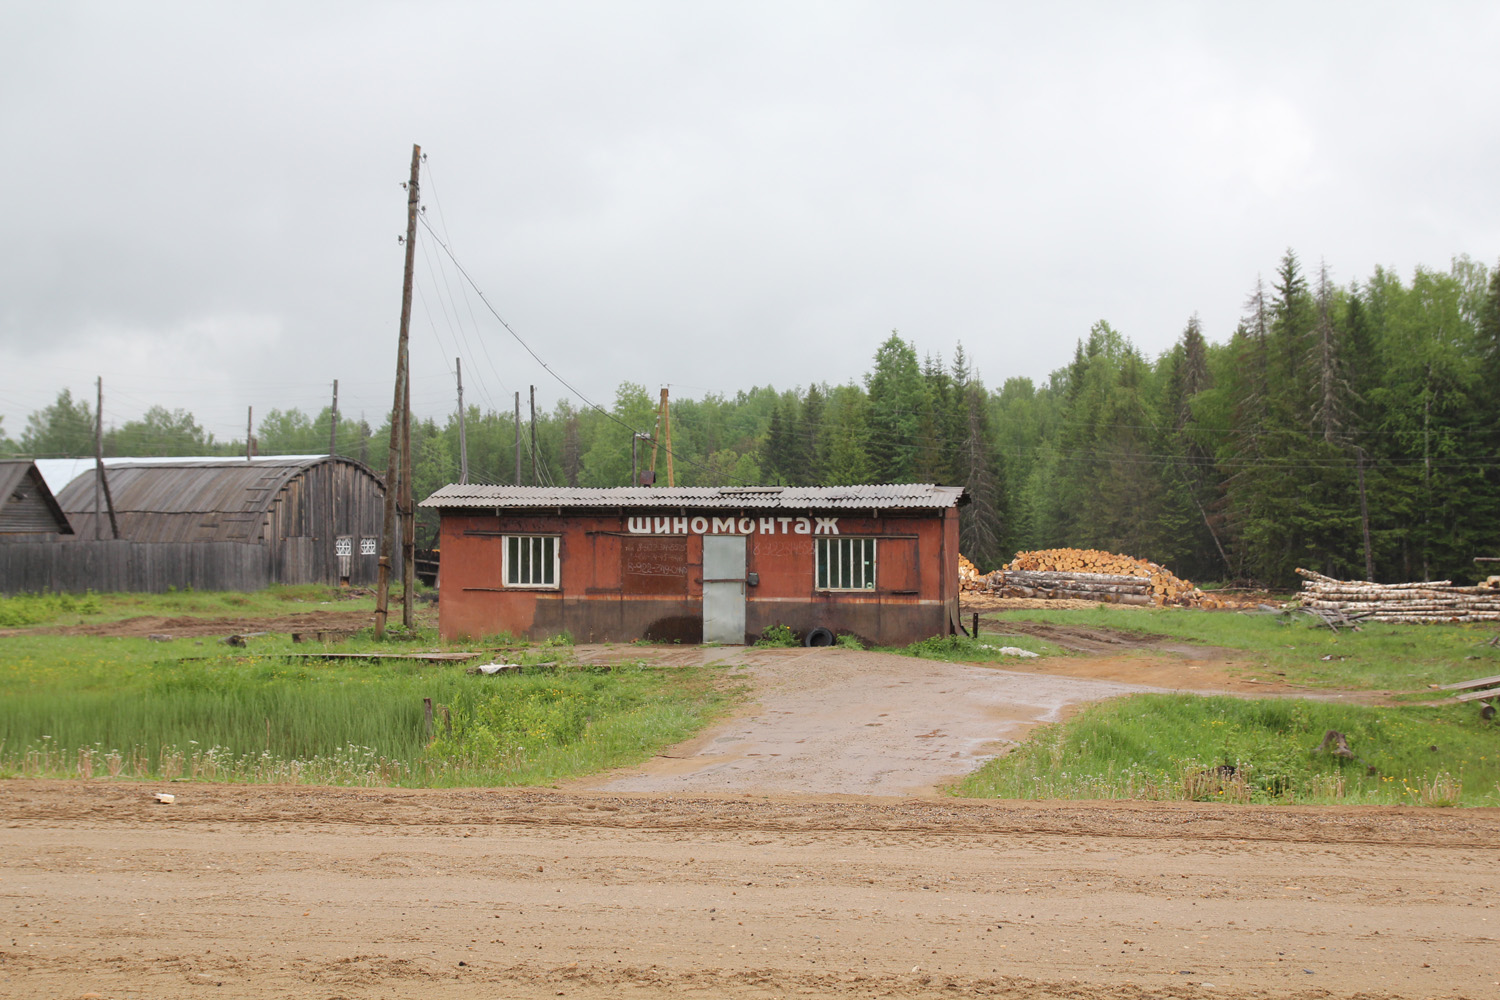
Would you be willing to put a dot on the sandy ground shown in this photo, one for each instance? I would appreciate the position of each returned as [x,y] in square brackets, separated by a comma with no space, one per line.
[264,892]
[756,862]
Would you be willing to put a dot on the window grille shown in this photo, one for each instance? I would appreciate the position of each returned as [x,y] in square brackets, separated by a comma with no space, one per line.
[530,561]
[342,546]
[846,564]
[367,547]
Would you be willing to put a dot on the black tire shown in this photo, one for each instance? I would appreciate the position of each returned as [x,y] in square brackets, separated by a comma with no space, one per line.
[819,636]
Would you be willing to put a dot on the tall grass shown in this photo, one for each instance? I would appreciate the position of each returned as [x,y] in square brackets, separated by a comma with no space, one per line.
[117,707]
[1194,748]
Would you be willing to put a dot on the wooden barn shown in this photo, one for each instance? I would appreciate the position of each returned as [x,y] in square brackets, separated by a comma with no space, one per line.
[699,564]
[221,524]
[27,507]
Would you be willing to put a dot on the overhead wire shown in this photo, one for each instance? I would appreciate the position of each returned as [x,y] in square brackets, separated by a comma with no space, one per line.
[538,358]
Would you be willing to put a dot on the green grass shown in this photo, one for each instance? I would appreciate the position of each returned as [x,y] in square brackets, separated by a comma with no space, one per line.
[70,609]
[75,706]
[1167,747]
[1379,657]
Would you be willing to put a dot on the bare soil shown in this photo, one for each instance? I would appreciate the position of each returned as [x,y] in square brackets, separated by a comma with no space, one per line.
[318,892]
[794,849]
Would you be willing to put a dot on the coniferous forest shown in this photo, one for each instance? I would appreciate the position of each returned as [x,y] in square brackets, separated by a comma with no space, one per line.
[1353,430]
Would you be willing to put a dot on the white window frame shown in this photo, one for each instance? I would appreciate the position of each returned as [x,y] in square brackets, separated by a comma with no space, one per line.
[343,545]
[368,547]
[534,569]
[845,562]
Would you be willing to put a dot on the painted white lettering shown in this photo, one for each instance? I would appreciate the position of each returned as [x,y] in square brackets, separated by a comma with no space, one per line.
[768,526]
[784,522]
[747,526]
[679,525]
[640,525]
[700,525]
[827,526]
[723,526]
[803,526]
[661,525]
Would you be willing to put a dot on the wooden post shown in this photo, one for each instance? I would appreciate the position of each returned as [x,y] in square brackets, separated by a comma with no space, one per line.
[463,441]
[518,437]
[333,430]
[656,432]
[99,461]
[332,530]
[666,419]
[976,624]
[101,480]
[398,406]
[427,712]
[408,510]
[249,430]
[535,479]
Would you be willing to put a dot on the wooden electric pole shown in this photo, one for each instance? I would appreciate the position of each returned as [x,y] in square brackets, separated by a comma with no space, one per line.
[100,479]
[535,481]
[249,431]
[463,441]
[333,430]
[518,437]
[394,479]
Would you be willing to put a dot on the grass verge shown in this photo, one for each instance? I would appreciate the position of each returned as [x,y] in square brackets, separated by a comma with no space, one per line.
[1183,747]
[22,610]
[99,707]
[1380,656]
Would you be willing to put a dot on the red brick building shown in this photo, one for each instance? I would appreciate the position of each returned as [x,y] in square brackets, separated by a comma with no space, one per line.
[699,564]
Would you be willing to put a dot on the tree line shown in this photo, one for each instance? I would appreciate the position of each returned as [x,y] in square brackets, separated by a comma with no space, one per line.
[1354,430]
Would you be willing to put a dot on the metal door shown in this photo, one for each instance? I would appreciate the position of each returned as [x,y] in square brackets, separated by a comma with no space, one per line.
[724,589]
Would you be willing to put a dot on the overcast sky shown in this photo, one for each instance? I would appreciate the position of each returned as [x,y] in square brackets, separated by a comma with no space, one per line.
[204,199]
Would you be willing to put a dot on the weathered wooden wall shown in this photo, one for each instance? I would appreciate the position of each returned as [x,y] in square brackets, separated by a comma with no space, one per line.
[150,567]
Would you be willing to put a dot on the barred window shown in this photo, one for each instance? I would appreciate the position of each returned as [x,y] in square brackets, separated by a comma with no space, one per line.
[367,547]
[343,545]
[846,564]
[530,561]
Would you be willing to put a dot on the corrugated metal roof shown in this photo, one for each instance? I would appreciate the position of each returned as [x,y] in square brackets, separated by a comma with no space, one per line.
[895,496]
[59,472]
[193,500]
[26,504]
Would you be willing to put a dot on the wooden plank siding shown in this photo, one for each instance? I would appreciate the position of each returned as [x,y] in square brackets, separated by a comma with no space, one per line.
[211,524]
[142,567]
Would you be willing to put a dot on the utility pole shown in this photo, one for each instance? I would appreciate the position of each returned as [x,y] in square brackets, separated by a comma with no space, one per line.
[463,441]
[666,419]
[249,431]
[100,479]
[518,437]
[399,407]
[333,431]
[535,480]
[333,490]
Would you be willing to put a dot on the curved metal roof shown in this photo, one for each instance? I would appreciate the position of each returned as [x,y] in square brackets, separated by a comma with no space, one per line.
[200,500]
[894,496]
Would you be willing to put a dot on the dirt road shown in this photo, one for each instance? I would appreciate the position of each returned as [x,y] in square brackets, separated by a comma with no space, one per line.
[294,892]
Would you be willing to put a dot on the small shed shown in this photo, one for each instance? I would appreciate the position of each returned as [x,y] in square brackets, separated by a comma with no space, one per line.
[699,564]
[211,524]
[27,507]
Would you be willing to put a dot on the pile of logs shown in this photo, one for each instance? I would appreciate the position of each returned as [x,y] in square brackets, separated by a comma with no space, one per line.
[1091,575]
[969,577]
[1438,601]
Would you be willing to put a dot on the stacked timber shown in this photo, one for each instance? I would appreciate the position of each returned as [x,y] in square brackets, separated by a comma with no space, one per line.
[1434,601]
[969,577]
[1092,575]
